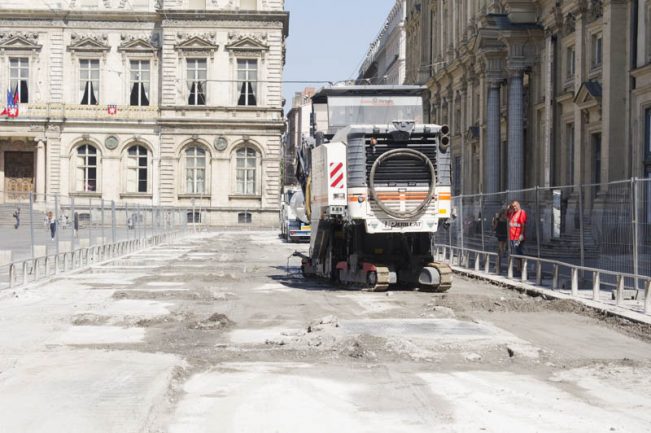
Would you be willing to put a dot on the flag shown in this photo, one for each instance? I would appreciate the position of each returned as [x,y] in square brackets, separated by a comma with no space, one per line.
[11,109]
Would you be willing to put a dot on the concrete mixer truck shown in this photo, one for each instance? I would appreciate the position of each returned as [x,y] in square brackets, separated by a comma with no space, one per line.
[377,185]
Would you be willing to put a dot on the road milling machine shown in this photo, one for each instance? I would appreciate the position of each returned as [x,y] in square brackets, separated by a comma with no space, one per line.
[377,185]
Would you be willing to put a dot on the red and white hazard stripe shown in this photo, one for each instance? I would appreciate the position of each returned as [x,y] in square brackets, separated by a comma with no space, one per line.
[337,175]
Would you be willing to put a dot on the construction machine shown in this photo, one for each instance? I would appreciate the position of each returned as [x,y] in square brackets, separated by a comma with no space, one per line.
[376,181]
[294,224]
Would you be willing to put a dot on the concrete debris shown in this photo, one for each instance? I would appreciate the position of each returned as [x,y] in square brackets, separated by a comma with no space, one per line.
[215,321]
[438,312]
[523,351]
[326,322]
[473,357]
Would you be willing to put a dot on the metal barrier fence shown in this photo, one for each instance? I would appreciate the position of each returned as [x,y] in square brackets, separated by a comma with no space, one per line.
[601,226]
[550,273]
[41,234]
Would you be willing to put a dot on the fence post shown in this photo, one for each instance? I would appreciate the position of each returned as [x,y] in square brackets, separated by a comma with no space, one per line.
[539,273]
[31,220]
[596,285]
[101,206]
[581,240]
[113,234]
[575,282]
[538,219]
[636,258]
[647,297]
[461,226]
[619,299]
[137,223]
[90,220]
[555,277]
[56,223]
[73,232]
[483,219]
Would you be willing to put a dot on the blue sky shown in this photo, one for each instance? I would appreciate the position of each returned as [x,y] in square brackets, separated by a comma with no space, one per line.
[328,39]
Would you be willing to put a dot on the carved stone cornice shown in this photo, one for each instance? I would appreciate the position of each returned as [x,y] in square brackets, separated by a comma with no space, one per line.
[19,41]
[196,43]
[247,43]
[89,43]
[139,43]
[569,23]
[595,10]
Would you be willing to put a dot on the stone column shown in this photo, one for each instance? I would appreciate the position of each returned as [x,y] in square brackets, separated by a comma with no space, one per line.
[491,151]
[515,169]
[493,133]
[548,82]
[40,170]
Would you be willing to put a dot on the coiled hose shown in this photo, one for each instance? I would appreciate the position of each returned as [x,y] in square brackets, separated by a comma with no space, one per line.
[411,153]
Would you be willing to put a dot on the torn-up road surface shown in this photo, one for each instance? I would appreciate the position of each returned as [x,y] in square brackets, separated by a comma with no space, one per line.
[216,334]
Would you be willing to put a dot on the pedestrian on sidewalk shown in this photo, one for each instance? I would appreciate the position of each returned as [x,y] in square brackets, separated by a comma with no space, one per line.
[52,221]
[500,226]
[75,223]
[517,223]
[16,215]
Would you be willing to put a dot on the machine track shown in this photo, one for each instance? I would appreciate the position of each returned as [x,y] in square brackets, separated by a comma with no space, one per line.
[445,272]
[382,283]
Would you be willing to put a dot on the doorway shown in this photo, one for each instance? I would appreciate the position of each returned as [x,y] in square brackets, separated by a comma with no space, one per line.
[19,175]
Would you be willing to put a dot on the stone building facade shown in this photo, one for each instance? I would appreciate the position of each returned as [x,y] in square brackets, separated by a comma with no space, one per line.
[385,60]
[537,93]
[298,128]
[164,102]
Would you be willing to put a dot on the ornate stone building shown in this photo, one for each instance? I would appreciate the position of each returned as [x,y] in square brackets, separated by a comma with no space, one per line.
[385,60]
[537,93]
[170,102]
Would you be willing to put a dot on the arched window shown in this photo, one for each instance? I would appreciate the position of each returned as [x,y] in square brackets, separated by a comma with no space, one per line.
[86,168]
[195,170]
[137,169]
[246,170]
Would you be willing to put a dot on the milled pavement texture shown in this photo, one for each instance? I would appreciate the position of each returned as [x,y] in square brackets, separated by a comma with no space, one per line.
[215,333]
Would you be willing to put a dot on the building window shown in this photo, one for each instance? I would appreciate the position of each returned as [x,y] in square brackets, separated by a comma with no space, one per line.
[597,50]
[569,140]
[197,76]
[195,170]
[87,168]
[246,167]
[89,81]
[139,83]
[197,4]
[193,217]
[19,79]
[570,57]
[596,161]
[137,169]
[249,5]
[244,218]
[247,81]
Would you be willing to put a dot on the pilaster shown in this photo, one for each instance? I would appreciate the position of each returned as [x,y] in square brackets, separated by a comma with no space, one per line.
[615,85]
